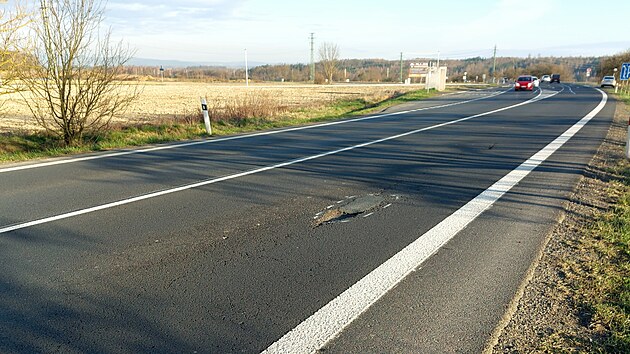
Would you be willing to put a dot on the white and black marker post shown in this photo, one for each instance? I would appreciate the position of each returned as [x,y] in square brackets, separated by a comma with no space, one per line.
[206,116]
[628,141]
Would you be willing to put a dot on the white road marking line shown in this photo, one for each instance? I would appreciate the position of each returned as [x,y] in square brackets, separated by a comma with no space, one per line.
[387,206]
[330,206]
[368,215]
[567,87]
[175,146]
[454,93]
[247,173]
[325,324]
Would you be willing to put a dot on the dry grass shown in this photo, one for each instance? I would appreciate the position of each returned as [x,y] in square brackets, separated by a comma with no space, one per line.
[175,100]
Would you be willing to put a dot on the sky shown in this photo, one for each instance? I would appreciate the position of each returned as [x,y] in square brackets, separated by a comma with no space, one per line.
[277,31]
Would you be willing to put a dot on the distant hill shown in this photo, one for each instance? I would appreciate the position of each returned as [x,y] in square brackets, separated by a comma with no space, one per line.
[187,64]
[477,69]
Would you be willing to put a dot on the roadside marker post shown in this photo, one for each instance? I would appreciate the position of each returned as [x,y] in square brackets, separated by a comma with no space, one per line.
[628,141]
[206,116]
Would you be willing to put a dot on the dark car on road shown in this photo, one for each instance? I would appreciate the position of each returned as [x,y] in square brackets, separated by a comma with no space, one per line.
[555,78]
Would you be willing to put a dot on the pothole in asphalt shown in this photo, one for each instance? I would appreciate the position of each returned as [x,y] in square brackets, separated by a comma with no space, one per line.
[353,206]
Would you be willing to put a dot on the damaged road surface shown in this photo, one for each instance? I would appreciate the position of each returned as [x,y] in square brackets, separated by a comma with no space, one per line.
[352,206]
[400,232]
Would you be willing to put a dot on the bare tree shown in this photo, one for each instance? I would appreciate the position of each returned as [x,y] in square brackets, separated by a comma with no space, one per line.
[12,21]
[329,57]
[75,69]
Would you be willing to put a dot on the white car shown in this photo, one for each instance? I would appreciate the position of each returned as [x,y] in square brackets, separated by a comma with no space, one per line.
[608,81]
[546,78]
[536,81]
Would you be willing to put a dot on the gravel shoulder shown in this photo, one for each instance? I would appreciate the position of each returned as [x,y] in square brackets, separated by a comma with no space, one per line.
[546,316]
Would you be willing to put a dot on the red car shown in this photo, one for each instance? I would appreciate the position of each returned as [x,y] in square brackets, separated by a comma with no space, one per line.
[525,82]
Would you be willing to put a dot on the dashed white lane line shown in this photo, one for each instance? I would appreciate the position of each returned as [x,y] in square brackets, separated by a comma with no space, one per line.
[368,215]
[314,332]
[250,172]
[212,141]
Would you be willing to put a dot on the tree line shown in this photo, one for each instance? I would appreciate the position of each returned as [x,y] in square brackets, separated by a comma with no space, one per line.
[388,71]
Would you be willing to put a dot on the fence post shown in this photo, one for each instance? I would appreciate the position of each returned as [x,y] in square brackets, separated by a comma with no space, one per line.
[206,116]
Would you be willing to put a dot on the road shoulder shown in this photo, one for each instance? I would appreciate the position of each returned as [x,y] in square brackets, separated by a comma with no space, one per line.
[545,316]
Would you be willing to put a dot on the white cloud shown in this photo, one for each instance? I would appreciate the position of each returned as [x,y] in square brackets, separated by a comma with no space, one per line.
[167,16]
[277,30]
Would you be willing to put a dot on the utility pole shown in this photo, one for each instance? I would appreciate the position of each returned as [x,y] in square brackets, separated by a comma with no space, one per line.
[401,68]
[246,70]
[312,57]
[494,65]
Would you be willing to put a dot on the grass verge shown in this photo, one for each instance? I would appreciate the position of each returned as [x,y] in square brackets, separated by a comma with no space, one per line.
[606,293]
[598,272]
[601,280]
[20,147]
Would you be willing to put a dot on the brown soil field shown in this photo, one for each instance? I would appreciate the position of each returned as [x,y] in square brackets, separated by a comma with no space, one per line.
[158,100]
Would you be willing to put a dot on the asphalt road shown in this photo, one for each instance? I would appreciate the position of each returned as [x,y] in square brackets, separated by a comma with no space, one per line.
[220,246]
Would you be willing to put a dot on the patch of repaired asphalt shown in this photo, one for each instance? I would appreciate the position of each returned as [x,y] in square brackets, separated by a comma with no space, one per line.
[351,207]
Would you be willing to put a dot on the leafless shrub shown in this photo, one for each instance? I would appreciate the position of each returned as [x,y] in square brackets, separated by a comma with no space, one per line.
[12,20]
[249,105]
[329,57]
[188,116]
[74,70]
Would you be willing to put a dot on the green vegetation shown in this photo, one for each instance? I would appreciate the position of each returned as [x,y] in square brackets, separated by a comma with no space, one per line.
[25,147]
[596,282]
[593,269]
[605,294]
[598,273]
[20,147]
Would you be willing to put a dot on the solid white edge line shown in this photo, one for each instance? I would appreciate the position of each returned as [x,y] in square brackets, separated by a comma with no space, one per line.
[325,324]
[211,141]
[250,172]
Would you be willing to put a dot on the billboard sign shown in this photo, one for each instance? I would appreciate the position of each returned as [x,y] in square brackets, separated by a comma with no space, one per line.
[418,69]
